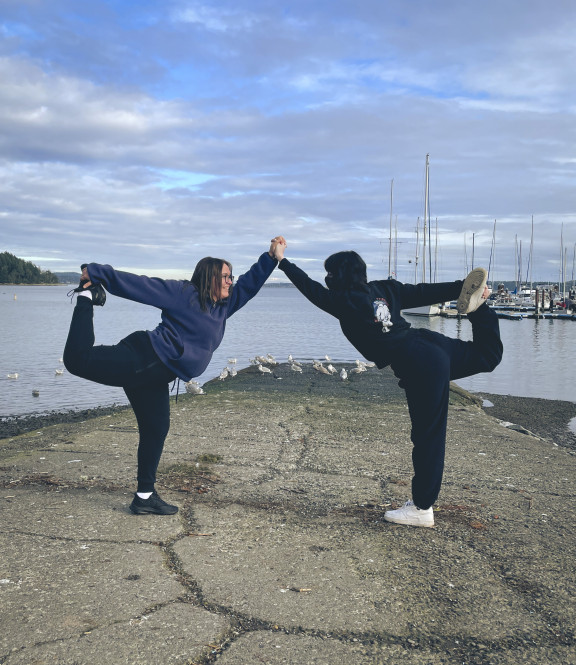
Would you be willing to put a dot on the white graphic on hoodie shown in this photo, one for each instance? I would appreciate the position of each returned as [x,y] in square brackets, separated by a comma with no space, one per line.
[382,314]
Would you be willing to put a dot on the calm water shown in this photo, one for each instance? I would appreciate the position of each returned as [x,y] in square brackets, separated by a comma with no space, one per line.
[538,358]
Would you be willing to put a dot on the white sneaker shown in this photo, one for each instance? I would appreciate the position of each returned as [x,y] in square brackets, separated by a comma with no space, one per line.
[411,515]
[472,291]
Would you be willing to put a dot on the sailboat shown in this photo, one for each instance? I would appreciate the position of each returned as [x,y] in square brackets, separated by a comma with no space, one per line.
[425,310]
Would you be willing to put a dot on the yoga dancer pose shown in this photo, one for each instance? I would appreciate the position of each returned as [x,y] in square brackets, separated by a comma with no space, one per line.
[194,314]
[425,361]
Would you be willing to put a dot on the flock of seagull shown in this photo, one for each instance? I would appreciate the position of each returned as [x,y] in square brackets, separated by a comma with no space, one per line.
[265,365]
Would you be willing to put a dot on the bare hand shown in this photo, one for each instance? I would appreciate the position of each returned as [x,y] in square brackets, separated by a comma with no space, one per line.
[275,243]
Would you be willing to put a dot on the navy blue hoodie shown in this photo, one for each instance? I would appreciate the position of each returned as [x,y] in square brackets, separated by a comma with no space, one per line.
[186,337]
[370,314]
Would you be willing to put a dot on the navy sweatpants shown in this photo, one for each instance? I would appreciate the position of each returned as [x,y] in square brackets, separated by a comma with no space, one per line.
[133,365]
[426,363]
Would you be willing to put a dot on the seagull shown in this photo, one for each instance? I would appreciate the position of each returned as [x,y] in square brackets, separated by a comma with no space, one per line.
[223,374]
[194,388]
[271,360]
[254,361]
[343,374]
[59,372]
[369,364]
[232,361]
[331,369]
[12,376]
[328,359]
[358,370]
[290,359]
[320,368]
[233,371]
[264,370]
[262,360]
[295,367]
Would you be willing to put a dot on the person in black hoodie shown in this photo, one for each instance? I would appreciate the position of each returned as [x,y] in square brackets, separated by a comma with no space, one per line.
[425,361]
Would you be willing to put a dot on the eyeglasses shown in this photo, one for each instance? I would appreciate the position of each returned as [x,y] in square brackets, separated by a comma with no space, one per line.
[228,278]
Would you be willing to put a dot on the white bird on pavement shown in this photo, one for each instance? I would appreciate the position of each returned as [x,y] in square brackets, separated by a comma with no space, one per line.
[320,368]
[224,374]
[343,374]
[194,388]
[295,368]
[331,369]
[264,370]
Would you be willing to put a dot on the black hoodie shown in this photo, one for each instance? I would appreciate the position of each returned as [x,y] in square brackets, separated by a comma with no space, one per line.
[370,314]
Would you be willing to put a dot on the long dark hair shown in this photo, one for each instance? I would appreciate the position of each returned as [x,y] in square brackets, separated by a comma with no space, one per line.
[207,278]
[347,270]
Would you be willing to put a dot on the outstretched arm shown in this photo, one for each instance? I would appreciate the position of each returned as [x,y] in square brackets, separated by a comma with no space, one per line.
[252,281]
[316,293]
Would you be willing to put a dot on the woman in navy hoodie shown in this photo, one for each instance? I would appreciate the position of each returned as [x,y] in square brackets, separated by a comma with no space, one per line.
[192,325]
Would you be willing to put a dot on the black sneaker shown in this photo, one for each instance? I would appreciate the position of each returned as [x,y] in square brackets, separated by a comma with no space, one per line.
[97,290]
[154,504]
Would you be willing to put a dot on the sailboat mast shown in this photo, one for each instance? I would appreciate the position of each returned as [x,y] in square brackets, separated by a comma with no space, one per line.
[531,255]
[426,214]
[390,233]
[417,250]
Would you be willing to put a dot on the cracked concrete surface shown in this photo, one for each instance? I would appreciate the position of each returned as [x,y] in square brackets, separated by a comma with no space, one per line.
[279,553]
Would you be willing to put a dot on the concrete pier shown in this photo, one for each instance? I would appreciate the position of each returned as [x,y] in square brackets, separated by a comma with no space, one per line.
[279,553]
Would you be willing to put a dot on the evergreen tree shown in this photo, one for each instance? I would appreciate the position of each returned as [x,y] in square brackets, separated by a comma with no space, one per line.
[17,271]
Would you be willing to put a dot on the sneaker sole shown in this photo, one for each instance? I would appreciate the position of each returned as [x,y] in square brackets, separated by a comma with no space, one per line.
[427,525]
[143,511]
[475,281]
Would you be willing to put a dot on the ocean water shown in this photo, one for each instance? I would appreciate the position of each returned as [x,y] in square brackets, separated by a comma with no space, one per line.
[34,324]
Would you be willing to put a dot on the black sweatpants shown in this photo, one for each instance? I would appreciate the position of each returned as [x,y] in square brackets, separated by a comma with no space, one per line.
[133,365]
[426,363]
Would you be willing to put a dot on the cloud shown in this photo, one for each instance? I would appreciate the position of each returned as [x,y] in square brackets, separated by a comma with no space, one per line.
[148,136]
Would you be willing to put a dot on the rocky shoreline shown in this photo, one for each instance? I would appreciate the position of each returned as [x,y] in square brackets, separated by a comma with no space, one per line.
[548,419]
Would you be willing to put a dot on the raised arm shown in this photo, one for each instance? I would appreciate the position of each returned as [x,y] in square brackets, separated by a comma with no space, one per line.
[316,293]
[252,281]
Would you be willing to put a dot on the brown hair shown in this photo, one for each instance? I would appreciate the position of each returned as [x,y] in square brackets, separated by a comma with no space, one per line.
[207,278]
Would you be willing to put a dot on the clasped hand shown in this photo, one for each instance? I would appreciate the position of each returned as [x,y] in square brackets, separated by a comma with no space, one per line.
[277,247]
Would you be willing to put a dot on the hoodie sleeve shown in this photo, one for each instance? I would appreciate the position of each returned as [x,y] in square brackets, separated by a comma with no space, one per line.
[139,288]
[417,295]
[251,282]
[316,293]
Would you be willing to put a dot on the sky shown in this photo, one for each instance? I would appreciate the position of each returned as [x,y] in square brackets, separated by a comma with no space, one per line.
[150,134]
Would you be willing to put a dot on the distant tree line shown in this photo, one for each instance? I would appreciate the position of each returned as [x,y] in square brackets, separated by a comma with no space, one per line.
[17,271]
